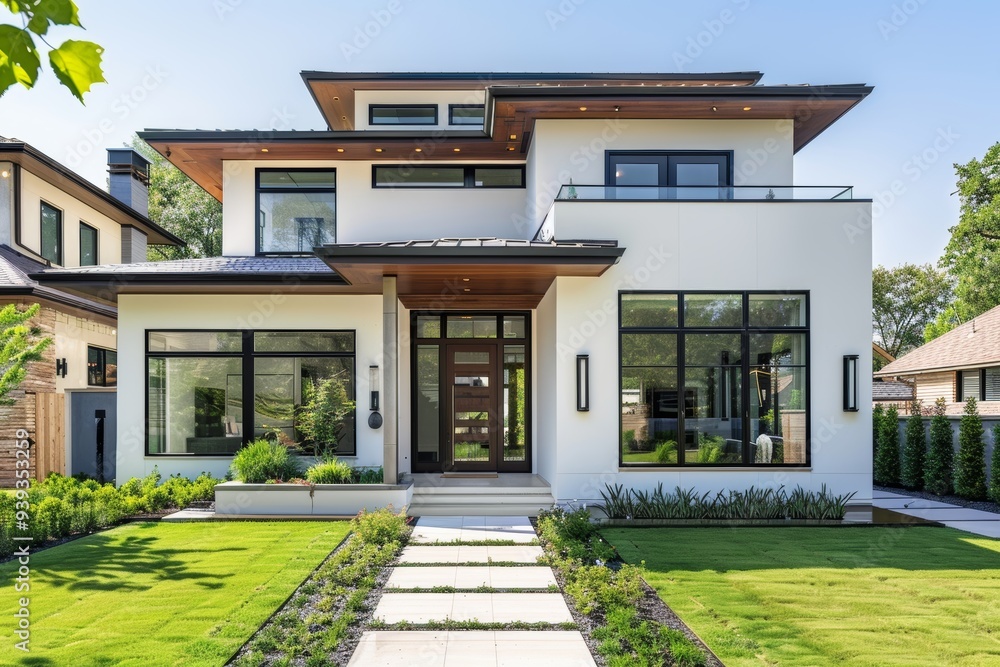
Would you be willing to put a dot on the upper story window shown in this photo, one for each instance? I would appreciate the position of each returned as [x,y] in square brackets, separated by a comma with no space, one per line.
[51,246]
[670,174]
[402,114]
[296,210]
[466,114]
[88,245]
[447,176]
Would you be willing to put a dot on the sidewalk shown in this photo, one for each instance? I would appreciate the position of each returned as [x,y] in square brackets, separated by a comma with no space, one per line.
[973,521]
[473,581]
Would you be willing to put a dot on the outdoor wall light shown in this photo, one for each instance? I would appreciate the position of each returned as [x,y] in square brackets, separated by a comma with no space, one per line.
[583,383]
[850,383]
[61,367]
[374,419]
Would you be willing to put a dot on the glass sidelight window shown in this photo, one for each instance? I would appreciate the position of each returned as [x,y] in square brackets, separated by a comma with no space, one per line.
[714,378]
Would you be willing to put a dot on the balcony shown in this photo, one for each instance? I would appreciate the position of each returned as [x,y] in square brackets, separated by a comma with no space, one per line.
[698,193]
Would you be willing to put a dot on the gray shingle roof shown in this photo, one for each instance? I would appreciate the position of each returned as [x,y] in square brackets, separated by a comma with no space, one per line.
[477,242]
[15,272]
[205,266]
[892,391]
[975,343]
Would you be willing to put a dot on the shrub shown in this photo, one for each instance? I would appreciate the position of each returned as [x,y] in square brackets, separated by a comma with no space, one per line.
[970,468]
[53,516]
[914,451]
[368,475]
[333,471]
[938,466]
[995,466]
[667,452]
[878,416]
[264,461]
[887,453]
[381,527]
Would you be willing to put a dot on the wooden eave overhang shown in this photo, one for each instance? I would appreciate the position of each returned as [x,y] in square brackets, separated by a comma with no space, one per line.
[35,162]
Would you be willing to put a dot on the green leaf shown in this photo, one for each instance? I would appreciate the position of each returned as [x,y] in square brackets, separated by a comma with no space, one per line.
[77,65]
[56,12]
[19,61]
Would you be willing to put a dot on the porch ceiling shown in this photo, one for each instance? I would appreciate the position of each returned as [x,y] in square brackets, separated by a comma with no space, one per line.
[469,273]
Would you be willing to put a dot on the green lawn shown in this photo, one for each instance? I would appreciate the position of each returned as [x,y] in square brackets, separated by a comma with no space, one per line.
[161,594]
[828,596]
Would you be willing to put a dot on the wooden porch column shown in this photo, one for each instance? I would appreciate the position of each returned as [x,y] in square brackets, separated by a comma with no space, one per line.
[390,381]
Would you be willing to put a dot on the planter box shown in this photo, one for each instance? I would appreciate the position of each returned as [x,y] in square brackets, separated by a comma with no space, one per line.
[717,523]
[236,499]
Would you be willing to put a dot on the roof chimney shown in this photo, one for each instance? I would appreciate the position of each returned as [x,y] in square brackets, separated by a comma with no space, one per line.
[129,178]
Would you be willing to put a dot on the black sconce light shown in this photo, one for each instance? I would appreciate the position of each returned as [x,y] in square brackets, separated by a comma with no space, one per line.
[583,383]
[61,367]
[850,383]
[374,419]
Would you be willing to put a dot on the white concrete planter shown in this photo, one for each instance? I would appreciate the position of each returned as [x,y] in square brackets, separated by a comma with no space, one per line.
[236,499]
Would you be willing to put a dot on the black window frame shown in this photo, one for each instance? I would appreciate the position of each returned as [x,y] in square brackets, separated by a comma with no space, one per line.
[102,353]
[289,190]
[373,107]
[666,154]
[60,236]
[247,355]
[97,237]
[469,176]
[960,396]
[746,329]
[451,114]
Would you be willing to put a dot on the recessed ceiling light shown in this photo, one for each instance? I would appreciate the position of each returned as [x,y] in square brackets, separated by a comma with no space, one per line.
[378,150]
[419,150]
[457,150]
[263,150]
[465,280]
[715,108]
[747,108]
[583,108]
[510,148]
[467,289]
[617,108]
[336,99]
[340,150]
[513,137]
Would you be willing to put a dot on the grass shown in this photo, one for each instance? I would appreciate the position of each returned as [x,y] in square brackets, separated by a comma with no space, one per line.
[159,593]
[858,597]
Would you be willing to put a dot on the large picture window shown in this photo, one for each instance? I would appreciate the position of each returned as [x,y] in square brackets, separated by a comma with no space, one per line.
[208,392]
[670,174]
[714,379]
[296,210]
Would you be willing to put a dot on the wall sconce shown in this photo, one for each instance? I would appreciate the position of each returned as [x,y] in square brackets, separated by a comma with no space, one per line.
[850,383]
[61,367]
[374,419]
[583,383]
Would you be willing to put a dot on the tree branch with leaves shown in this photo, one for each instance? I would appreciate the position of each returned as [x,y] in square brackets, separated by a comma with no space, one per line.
[20,344]
[905,299]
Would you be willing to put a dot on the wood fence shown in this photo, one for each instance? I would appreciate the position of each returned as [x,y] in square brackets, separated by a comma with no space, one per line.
[50,434]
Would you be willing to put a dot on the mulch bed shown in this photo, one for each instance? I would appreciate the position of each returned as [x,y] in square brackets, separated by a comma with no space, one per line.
[984,505]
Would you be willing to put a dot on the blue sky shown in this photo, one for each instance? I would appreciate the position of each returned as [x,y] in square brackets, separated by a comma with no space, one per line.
[235,64]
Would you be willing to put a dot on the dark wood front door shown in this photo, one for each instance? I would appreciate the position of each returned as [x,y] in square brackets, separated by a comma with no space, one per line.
[472,417]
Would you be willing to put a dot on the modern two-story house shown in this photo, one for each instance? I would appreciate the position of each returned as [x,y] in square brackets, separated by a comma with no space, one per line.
[577,279]
[52,217]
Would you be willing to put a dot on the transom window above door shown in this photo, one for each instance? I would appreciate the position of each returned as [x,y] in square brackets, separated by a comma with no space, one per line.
[670,174]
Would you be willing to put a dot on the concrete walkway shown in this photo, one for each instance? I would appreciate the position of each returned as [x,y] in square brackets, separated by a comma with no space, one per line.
[973,521]
[526,592]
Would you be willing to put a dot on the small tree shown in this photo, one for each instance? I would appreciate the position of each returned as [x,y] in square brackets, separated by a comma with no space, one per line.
[323,414]
[995,466]
[878,416]
[887,453]
[970,469]
[915,449]
[938,467]
[20,344]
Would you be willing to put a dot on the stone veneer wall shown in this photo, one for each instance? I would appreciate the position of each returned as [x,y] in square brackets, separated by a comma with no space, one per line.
[41,378]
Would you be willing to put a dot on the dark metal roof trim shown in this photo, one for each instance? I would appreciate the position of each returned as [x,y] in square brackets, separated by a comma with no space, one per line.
[314,75]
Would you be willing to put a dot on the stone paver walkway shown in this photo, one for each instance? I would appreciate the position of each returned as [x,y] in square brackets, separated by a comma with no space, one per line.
[433,561]
[970,520]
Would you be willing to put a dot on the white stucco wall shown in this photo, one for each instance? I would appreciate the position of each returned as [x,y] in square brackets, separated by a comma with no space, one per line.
[723,246]
[138,313]
[34,190]
[72,336]
[365,213]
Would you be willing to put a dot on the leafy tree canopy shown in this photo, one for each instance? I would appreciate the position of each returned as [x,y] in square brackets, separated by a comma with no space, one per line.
[20,344]
[76,63]
[972,256]
[180,206]
[905,299]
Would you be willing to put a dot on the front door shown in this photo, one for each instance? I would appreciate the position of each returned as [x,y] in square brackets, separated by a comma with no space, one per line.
[473,414]
[471,392]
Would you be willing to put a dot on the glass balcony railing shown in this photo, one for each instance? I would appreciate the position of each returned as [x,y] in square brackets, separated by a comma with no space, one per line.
[704,193]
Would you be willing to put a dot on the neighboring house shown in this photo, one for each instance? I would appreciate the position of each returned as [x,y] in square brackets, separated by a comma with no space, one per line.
[889,392]
[593,278]
[52,217]
[963,362]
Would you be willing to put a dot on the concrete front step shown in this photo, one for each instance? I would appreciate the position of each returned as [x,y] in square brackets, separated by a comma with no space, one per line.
[464,648]
[479,508]
[426,608]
